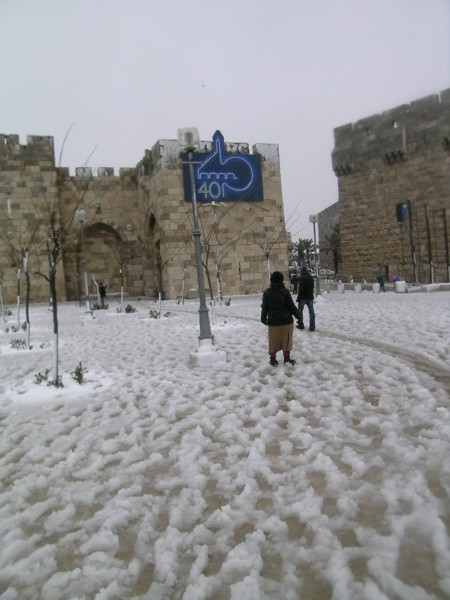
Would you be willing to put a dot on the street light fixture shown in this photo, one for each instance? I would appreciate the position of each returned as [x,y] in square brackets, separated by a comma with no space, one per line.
[81,218]
[314,219]
[207,353]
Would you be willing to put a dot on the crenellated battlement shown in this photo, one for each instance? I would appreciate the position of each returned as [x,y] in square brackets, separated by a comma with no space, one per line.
[394,135]
[102,173]
[167,153]
[39,151]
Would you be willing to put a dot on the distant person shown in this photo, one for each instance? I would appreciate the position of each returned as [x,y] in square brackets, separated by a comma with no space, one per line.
[395,278]
[306,297]
[381,282]
[277,309]
[102,292]
[294,282]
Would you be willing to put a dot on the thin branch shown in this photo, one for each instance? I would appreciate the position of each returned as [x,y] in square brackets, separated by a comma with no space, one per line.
[63,144]
[86,162]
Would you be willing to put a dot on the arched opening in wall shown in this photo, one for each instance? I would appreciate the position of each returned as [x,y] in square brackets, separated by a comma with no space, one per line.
[107,256]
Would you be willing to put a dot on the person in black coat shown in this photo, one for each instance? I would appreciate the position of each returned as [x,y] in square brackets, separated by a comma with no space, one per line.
[380,280]
[102,292]
[277,309]
[306,296]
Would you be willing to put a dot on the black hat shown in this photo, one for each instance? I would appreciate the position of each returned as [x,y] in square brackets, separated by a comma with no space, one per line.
[276,277]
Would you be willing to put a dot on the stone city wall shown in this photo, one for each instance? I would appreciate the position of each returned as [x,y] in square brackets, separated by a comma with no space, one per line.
[136,230]
[393,172]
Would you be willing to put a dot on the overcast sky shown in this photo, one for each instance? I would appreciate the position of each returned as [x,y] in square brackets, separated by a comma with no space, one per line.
[127,73]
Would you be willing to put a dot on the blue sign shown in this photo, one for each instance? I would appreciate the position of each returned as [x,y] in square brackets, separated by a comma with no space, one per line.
[223,177]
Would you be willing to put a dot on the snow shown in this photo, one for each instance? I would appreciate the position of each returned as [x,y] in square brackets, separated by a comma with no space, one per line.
[160,479]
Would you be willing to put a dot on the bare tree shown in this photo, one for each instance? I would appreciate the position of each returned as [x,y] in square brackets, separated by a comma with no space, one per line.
[267,239]
[60,234]
[212,246]
[217,247]
[57,237]
[18,243]
[166,253]
[124,255]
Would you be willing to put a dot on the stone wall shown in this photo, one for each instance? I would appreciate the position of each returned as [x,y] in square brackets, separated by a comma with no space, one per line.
[110,231]
[238,233]
[29,194]
[389,163]
[137,227]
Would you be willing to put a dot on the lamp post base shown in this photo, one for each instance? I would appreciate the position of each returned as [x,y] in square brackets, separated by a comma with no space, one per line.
[207,354]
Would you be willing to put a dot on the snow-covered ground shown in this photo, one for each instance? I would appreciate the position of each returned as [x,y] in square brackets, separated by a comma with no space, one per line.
[161,480]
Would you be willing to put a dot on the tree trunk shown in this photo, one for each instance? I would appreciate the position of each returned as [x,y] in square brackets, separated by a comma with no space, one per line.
[18,299]
[208,277]
[121,290]
[27,307]
[54,298]
[2,306]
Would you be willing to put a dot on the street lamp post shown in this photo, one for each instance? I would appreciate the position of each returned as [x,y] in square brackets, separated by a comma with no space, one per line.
[81,218]
[314,219]
[206,353]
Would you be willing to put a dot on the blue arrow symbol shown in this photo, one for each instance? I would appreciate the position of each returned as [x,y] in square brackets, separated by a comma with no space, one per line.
[218,167]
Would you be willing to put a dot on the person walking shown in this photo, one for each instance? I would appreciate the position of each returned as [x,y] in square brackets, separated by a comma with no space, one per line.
[294,282]
[277,309]
[381,282]
[306,297]
[102,292]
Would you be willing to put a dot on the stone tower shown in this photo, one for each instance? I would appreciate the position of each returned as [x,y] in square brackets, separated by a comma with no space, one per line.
[393,173]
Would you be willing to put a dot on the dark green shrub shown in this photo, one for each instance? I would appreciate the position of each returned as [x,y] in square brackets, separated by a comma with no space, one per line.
[39,377]
[78,373]
[18,344]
